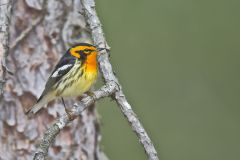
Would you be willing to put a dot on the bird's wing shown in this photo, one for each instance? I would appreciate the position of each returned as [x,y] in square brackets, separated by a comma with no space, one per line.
[62,68]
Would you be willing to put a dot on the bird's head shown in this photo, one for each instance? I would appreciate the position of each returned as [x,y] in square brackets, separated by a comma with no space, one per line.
[83,51]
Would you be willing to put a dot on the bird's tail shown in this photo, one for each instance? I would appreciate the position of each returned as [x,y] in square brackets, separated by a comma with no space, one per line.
[40,103]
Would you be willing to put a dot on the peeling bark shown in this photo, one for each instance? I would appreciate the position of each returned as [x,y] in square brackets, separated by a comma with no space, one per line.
[31,59]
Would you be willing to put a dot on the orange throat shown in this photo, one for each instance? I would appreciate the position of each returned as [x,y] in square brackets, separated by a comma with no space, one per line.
[91,62]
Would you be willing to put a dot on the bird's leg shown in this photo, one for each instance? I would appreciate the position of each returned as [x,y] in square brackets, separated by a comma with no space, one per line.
[67,110]
[64,105]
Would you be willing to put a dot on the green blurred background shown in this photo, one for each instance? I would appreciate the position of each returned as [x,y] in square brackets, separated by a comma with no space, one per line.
[178,62]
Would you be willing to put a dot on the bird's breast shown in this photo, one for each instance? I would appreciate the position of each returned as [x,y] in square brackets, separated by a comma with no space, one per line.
[79,80]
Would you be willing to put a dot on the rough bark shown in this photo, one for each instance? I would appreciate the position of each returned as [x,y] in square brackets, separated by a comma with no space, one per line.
[5,14]
[40,34]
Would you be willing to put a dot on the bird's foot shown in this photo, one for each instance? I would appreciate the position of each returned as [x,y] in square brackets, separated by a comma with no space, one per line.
[70,114]
[68,111]
[89,93]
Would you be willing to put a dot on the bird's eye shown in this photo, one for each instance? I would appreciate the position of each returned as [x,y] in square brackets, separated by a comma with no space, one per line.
[87,51]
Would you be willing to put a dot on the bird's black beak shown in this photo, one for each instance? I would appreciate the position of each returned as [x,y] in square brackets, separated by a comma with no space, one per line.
[100,49]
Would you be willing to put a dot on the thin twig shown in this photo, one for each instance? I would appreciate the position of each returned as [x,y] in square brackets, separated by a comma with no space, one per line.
[25,33]
[106,69]
[52,132]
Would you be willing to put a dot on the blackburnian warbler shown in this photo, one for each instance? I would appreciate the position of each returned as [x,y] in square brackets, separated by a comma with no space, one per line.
[74,74]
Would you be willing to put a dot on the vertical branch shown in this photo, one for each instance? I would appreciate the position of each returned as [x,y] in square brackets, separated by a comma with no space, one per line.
[107,73]
[5,14]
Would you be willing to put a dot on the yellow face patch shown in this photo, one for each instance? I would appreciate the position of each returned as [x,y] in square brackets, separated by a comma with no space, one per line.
[75,50]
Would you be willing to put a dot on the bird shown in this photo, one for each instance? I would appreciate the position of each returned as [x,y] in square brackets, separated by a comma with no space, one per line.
[74,75]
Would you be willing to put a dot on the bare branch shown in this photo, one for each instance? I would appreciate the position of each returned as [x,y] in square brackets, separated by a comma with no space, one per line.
[5,14]
[106,69]
[52,132]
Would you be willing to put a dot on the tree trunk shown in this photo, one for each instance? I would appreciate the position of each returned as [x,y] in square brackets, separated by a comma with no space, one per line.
[46,29]
[5,10]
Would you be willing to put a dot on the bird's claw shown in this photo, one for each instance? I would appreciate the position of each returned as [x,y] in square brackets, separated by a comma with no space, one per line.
[89,93]
[70,114]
